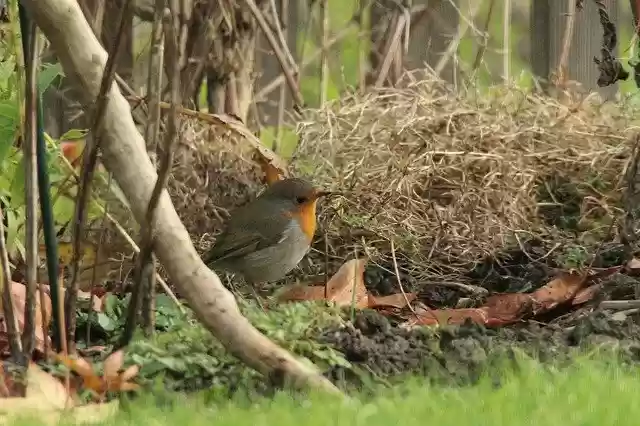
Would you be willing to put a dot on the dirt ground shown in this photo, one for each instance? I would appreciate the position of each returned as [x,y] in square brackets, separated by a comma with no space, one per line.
[460,354]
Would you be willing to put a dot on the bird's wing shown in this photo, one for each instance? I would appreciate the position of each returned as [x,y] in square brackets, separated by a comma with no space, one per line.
[246,233]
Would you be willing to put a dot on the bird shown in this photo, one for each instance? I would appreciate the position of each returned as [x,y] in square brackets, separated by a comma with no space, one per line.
[266,238]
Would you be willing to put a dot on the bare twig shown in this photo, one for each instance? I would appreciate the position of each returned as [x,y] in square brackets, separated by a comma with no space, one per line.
[283,31]
[306,63]
[10,319]
[324,59]
[173,42]
[506,41]
[279,21]
[619,305]
[397,274]
[485,39]
[128,239]
[563,61]
[392,46]
[293,86]
[31,192]
[462,31]
[89,161]
[152,129]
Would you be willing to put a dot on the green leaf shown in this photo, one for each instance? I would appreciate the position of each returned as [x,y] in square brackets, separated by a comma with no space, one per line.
[18,186]
[47,74]
[8,124]
[74,134]
[63,209]
[105,322]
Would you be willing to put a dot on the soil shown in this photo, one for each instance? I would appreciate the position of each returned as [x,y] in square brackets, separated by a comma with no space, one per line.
[460,354]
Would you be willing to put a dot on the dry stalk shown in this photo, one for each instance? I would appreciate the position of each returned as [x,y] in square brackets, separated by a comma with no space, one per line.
[462,31]
[567,37]
[506,42]
[324,58]
[10,318]
[277,50]
[397,274]
[282,30]
[485,39]
[306,63]
[128,238]
[30,48]
[279,23]
[152,130]
[144,268]
[89,162]
[393,45]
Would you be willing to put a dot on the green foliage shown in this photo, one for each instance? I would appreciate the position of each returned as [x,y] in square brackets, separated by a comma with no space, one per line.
[186,357]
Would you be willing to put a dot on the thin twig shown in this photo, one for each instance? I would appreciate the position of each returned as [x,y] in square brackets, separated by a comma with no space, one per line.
[89,161]
[283,31]
[31,190]
[397,274]
[619,305]
[567,37]
[173,46]
[485,38]
[10,319]
[152,130]
[324,59]
[123,233]
[306,63]
[462,31]
[506,41]
[392,46]
[291,82]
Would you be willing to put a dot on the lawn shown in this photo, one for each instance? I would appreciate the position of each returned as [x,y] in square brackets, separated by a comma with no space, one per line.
[588,393]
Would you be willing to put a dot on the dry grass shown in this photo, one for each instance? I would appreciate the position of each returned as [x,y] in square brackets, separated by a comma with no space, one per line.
[454,179]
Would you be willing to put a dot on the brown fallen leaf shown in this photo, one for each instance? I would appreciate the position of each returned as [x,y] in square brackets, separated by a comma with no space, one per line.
[273,169]
[633,266]
[397,300]
[508,308]
[344,288]
[48,402]
[112,379]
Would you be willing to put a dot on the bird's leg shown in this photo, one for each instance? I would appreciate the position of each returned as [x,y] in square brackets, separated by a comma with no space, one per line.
[252,285]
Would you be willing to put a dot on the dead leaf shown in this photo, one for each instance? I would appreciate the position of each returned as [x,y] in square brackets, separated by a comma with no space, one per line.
[48,402]
[558,291]
[633,266]
[397,300]
[113,363]
[111,381]
[344,288]
[508,308]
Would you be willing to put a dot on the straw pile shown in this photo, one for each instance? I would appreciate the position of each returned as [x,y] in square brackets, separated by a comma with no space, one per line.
[452,179]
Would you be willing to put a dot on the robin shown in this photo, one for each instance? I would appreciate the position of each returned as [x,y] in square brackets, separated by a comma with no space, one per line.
[267,237]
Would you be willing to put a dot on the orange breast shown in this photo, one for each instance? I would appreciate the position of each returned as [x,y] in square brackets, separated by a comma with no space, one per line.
[306,217]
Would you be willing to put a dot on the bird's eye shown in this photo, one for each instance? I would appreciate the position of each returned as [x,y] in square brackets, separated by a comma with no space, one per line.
[301,200]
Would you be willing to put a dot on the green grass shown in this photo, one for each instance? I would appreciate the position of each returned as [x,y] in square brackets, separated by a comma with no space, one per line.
[588,394]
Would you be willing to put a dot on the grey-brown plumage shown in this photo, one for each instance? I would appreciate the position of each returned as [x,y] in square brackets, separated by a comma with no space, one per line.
[267,237]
